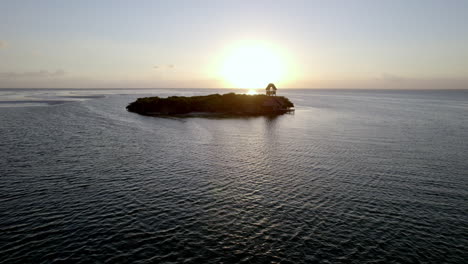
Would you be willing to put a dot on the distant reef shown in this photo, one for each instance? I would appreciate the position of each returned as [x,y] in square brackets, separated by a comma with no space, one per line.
[229,104]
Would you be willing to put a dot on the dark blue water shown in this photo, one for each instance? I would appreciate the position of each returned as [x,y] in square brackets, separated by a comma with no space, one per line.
[350,177]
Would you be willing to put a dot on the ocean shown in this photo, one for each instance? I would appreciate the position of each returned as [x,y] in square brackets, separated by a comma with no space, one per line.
[352,176]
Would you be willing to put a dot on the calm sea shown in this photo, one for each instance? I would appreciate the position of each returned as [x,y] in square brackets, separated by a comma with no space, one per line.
[350,177]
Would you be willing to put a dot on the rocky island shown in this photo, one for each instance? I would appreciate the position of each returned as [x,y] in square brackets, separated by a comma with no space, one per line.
[229,104]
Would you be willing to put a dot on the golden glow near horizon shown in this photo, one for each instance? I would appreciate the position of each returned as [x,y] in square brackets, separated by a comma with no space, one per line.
[251,92]
[253,65]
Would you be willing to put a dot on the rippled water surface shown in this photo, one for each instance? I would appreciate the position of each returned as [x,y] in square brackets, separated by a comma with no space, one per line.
[350,177]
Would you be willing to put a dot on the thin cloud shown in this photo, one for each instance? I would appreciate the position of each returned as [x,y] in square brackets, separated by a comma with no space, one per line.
[3,44]
[167,66]
[33,74]
[388,77]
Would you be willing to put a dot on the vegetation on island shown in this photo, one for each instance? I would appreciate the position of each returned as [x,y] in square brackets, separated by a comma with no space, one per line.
[231,103]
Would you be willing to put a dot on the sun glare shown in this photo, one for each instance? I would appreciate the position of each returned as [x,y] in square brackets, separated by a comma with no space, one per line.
[251,92]
[252,66]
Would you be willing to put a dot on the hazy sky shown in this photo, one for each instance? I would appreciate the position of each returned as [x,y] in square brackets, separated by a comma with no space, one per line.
[321,44]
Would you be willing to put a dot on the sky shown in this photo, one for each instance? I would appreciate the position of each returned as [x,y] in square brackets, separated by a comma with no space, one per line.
[394,44]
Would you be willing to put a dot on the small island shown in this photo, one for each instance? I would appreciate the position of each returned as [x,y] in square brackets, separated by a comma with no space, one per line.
[226,104]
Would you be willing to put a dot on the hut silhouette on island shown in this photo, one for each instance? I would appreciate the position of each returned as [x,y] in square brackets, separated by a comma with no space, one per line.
[271,89]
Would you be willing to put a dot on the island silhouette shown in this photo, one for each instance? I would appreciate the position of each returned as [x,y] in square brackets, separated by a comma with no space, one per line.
[230,104]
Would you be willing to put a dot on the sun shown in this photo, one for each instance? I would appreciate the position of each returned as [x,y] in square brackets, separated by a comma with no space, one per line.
[252,65]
